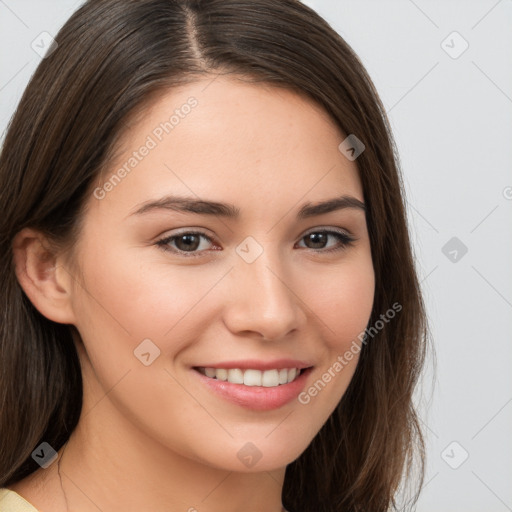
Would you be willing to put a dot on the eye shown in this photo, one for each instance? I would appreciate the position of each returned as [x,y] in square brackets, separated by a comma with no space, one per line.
[319,239]
[186,243]
[191,243]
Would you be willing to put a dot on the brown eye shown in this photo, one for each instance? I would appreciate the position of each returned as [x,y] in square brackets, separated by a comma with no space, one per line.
[187,242]
[318,240]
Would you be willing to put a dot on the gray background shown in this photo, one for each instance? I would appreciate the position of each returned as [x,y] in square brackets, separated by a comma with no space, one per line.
[451,113]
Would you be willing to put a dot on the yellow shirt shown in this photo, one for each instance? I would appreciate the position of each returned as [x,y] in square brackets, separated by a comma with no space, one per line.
[11,501]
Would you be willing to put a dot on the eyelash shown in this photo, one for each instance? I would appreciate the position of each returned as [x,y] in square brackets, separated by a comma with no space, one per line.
[344,239]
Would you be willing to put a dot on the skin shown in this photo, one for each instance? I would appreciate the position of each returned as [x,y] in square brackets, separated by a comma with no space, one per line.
[154,437]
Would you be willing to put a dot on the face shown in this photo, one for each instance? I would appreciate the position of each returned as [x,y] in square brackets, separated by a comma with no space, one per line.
[205,256]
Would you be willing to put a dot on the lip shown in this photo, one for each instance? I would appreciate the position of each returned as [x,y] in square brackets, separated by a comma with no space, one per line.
[256,398]
[254,364]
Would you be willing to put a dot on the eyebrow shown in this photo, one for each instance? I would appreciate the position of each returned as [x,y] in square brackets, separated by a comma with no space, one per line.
[203,207]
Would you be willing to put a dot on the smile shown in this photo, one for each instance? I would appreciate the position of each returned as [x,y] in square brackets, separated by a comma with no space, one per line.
[252,377]
[250,388]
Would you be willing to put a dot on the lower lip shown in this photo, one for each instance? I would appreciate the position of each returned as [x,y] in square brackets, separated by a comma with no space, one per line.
[257,398]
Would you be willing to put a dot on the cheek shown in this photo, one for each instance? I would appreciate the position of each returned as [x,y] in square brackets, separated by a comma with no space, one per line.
[136,299]
[127,300]
[343,299]
[343,304]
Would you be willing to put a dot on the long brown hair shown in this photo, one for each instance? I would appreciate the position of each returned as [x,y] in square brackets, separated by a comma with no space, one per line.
[112,57]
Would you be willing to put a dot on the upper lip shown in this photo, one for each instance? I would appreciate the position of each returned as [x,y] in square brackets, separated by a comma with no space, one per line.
[254,364]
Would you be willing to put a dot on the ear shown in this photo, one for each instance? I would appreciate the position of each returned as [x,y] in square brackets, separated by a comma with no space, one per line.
[43,276]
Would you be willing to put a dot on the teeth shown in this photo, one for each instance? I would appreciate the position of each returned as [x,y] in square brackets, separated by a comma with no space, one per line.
[270,378]
[236,376]
[210,372]
[221,374]
[252,378]
[267,378]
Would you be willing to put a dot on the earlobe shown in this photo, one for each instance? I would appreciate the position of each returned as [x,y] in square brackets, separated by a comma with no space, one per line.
[41,275]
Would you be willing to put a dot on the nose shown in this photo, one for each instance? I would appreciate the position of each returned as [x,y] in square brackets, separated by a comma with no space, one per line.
[263,301]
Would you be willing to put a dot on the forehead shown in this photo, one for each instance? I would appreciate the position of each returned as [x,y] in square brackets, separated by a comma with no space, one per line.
[223,137]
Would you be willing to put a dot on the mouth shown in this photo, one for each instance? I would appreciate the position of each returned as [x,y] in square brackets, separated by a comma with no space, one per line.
[253,377]
[258,389]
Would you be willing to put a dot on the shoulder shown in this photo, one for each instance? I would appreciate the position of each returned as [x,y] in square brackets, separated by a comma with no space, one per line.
[11,501]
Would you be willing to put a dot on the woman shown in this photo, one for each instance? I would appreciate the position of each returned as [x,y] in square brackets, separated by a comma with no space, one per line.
[209,296]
